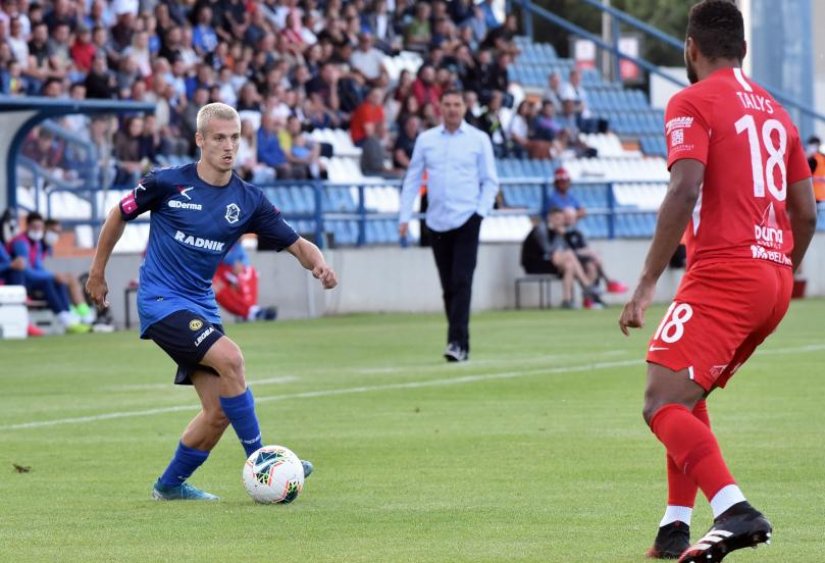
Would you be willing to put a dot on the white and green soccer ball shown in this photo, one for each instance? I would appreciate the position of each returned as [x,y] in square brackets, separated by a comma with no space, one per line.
[273,474]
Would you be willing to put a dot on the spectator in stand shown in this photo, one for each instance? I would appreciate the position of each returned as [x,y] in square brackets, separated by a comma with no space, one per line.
[131,151]
[41,66]
[491,20]
[325,86]
[370,111]
[491,124]
[17,41]
[83,50]
[270,151]
[418,33]
[247,164]
[501,39]
[368,59]
[545,126]
[139,51]
[424,88]
[561,198]
[249,104]
[42,147]
[236,287]
[553,92]
[380,25]
[518,131]
[405,142]
[546,251]
[474,110]
[204,36]
[303,154]
[477,25]
[374,153]
[34,276]
[319,116]
[573,90]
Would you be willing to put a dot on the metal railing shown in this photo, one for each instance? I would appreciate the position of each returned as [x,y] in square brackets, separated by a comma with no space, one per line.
[316,208]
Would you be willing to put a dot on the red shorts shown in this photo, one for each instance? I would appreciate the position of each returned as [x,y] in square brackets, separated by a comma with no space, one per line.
[721,313]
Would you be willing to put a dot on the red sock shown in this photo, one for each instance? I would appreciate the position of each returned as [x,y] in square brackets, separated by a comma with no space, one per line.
[693,448]
[681,490]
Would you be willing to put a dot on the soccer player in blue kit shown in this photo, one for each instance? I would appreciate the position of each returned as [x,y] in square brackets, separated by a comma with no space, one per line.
[198,212]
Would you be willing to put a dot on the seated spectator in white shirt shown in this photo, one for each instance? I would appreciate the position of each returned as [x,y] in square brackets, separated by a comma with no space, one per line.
[368,59]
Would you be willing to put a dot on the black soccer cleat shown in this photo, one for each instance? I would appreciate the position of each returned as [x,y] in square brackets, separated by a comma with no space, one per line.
[739,526]
[671,541]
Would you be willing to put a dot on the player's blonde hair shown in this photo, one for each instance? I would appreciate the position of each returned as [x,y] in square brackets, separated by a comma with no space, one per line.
[216,110]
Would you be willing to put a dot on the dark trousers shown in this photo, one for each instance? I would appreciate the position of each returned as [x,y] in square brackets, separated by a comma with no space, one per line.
[455,255]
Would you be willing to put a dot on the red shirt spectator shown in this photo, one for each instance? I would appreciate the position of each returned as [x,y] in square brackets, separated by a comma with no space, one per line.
[425,88]
[83,50]
[369,111]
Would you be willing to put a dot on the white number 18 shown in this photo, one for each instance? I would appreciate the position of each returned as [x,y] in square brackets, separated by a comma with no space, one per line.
[776,156]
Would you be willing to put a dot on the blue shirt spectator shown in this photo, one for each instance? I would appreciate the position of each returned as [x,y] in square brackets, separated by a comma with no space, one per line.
[269,148]
[561,198]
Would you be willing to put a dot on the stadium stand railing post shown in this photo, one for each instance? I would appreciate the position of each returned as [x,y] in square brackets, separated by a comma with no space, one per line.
[611,215]
[362,217]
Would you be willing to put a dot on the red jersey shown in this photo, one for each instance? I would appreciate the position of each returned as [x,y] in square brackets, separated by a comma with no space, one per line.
[752,152]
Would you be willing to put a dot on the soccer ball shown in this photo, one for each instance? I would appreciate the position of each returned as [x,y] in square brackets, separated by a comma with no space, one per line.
[273,474]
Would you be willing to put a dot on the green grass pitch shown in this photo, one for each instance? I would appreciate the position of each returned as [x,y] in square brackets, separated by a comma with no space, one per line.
[535,450]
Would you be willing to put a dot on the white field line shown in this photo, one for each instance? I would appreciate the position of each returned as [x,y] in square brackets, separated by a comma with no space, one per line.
[373,388]
[155,386]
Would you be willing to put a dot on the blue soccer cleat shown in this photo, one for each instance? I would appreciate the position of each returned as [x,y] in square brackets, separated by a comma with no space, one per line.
[308,468]
[183,491]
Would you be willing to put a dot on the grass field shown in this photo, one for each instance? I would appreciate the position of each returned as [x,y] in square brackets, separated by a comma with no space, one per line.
[535,450]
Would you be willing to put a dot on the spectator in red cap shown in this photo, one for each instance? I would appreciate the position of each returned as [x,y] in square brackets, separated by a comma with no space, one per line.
[561,198]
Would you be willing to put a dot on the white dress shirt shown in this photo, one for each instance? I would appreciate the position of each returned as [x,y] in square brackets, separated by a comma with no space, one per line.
[461,176]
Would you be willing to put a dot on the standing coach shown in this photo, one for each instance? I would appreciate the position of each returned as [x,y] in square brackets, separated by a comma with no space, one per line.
[461,185]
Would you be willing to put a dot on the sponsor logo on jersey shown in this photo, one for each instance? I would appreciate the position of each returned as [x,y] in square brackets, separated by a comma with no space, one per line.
[762,253]
[202,336]
[717,370]
[233,213]
[678,123]
[175,204]
[198,242]
[184,191]
[768,232]
[195,324]
[677,137]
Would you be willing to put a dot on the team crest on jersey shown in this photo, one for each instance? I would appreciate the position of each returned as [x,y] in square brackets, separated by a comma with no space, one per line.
[195,324]
[233,213]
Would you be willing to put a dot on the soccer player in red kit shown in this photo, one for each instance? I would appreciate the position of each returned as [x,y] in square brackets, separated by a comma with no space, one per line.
[740,188]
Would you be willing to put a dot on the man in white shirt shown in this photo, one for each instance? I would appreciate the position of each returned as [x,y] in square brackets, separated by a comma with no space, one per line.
[368,59]
[461,187]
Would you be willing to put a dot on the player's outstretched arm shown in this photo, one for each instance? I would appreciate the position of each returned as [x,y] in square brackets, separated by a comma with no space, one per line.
[685,182]
[109,235]
[801,207]
[311,258]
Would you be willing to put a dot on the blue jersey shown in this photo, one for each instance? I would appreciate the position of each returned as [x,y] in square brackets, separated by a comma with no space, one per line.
[192,225]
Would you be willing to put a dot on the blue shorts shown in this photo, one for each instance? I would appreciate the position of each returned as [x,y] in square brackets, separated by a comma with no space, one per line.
[186,337]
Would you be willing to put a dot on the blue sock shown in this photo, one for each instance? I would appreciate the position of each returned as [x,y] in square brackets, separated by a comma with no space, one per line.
[240,411]
[185,461]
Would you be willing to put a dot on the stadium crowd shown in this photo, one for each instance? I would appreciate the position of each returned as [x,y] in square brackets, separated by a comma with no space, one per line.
[288,66]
